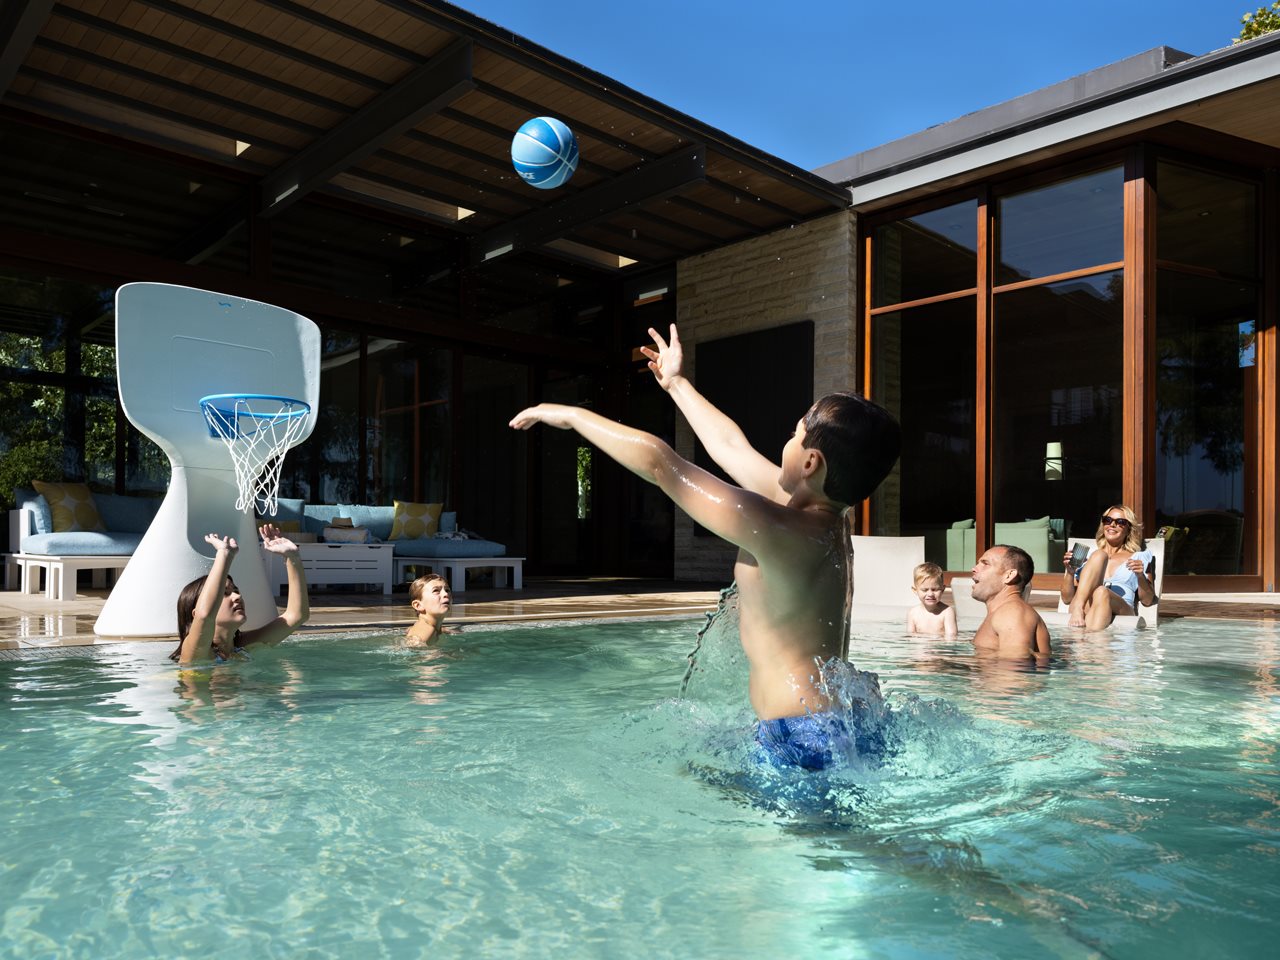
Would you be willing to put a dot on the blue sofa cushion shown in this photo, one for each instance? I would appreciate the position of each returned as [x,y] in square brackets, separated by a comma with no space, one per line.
[442,547]
[287,510]
[30,500]
[377,520]
[317,516]
[125,514]
[448,521]
[83,543]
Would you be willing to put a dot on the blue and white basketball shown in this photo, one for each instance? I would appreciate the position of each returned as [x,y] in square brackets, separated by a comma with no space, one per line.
[544,153]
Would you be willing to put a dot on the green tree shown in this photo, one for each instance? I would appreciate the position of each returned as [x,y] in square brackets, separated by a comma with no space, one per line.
[1262,21]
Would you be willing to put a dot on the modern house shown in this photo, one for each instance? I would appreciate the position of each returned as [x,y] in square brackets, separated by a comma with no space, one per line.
[1068,299]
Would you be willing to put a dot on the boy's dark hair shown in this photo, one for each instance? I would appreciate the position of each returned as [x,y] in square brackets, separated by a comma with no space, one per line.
[1018,559]
[859,440]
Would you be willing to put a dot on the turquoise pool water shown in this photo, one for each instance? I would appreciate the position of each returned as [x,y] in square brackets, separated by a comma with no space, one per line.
[543,791]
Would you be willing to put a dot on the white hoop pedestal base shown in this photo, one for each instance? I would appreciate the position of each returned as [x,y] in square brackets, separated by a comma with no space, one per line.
[144,601]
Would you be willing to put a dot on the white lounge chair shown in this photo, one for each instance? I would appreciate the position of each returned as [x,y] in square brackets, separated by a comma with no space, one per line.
[1144,617]
[882,568]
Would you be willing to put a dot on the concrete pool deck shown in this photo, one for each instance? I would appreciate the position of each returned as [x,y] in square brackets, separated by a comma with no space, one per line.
[30,621]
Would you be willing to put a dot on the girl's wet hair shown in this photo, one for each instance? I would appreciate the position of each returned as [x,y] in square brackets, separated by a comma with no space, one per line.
[187,598]
[859,440]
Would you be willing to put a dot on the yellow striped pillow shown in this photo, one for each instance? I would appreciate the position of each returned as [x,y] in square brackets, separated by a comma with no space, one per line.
[415,521]
[72,506]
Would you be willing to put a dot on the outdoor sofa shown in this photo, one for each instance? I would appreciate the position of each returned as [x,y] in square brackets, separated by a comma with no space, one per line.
[34,545]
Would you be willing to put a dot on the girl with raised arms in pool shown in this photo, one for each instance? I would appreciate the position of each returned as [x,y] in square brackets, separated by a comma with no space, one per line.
[211,611]
[787,521]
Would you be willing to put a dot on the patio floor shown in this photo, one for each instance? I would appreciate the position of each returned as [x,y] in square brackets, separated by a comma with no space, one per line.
[29,620]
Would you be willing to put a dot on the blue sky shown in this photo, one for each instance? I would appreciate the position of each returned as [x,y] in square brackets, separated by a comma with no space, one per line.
[813,81]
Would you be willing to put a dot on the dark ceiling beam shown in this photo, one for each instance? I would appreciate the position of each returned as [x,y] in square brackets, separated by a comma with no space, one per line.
[423,91]
[253,39]
[152,110]
[29,248]
[184,55]
[340,28]
[177,86]
[20,23]
[644,184]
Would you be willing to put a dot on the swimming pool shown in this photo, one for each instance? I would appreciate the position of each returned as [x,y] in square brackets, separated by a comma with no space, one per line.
[542,791]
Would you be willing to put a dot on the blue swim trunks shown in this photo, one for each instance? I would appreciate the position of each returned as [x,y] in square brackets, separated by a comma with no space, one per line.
[814,741]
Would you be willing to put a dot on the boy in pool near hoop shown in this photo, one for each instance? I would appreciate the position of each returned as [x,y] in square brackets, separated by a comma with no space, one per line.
[787,521]
[211,611]
[429,596]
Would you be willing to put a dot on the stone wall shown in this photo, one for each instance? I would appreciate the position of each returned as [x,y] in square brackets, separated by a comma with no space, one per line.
[806,272]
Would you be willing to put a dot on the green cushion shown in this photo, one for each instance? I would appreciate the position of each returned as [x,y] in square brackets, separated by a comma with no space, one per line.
[962,525]
[1041,524]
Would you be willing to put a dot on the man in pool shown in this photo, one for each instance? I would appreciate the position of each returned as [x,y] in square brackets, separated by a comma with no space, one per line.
[1012,629]
[788,525]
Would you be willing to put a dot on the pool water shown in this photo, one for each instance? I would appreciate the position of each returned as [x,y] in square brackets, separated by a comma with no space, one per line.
[545,791]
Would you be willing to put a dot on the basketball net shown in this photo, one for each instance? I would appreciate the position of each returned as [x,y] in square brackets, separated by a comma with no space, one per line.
[257,431]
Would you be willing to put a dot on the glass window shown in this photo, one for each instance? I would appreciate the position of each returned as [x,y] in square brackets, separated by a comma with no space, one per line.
[924,370]
[1206,220]
[314,245]
[925,255]
[1206,381]
[1056,412]
[326,467]
[493,468]
[1065,226]
[565,541]
[57,379]
[409,426]
[532,295]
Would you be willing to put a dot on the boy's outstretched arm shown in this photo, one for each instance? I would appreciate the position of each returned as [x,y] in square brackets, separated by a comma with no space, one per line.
[742,517]
[723,439]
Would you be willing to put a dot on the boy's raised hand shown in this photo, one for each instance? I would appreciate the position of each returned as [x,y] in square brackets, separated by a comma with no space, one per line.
[222,543]
[667,361]
[552,414]
[273,541]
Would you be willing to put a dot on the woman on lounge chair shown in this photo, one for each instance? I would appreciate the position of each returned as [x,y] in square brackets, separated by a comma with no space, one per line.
[1118,573]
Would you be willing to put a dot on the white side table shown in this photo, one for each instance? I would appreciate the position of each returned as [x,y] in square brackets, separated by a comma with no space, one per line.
[336,563]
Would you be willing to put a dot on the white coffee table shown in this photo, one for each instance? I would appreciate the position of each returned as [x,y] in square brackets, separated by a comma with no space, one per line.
[336,563]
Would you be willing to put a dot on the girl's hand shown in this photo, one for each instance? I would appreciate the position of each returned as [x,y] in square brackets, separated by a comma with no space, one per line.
[274,542]
[1134,564]
[667,361]
[222,544]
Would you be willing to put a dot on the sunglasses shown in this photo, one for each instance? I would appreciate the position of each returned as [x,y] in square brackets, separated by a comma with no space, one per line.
[1108,521]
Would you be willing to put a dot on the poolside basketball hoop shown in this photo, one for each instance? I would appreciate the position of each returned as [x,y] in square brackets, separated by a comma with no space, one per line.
[258,430]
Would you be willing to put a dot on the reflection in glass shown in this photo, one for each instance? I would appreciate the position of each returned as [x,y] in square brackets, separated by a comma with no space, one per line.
[925,255]
[409,427]
[1205,382]
[924,373]
[57,381]
[1206,220]
[493,466]
[1056,396]
[1068,225]
[326,467]
[565,542]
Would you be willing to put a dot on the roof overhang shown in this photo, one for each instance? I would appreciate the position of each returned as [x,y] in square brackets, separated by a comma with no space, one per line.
[1233,91]
[401,105]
